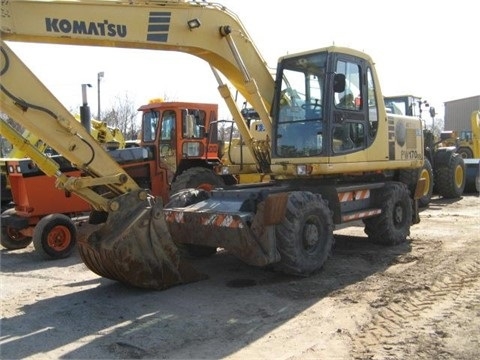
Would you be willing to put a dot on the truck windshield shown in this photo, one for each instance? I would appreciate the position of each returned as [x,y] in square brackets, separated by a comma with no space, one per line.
[300,109]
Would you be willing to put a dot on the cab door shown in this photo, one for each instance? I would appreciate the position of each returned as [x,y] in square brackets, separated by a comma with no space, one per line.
[348,113]
[167,144]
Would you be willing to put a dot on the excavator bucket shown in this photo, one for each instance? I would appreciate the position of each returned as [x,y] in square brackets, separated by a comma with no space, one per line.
[135,247]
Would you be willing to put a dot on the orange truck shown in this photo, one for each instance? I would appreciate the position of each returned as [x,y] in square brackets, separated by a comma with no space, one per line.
[173,153]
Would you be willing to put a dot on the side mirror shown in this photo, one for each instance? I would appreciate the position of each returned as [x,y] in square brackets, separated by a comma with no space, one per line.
[339,83]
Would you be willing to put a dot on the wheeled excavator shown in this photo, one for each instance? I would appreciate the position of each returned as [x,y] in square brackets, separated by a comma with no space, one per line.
[334,154]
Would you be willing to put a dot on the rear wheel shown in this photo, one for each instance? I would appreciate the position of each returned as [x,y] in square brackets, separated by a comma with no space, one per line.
[392,226]
[427,174]
[12,239]
[450,177]
[305,237]
[55,236]
[465,153]
[197,178]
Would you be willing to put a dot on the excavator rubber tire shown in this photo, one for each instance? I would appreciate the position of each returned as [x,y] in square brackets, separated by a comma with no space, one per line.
[392,225]
[134,247]
[305,237]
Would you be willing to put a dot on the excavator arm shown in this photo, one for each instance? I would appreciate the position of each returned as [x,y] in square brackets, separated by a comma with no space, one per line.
[132,244]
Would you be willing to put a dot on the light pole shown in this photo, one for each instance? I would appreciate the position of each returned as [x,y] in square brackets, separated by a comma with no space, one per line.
[99,78]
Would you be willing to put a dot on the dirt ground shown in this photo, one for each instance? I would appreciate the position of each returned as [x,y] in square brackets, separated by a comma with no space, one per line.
[419,300]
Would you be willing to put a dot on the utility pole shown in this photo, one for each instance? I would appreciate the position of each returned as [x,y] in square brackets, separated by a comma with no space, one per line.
[432,114]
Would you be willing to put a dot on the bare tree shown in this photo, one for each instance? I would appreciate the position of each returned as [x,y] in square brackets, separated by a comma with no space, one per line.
[122,115]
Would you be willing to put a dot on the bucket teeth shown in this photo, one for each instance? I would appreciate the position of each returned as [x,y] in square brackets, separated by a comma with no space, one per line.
[135,248]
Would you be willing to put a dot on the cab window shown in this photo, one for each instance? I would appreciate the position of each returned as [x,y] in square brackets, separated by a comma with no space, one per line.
[149,126]
[349,99]
[193,123]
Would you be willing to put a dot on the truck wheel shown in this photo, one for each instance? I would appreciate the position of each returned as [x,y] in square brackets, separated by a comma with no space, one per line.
[197,178]
[392,226]
[184,198]
[54,236]
[12,239]
[450,177]
[427,174]
[465,153]
[305,237]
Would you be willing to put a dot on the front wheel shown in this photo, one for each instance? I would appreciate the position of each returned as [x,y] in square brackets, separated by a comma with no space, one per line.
[55,236]
[13,239]
[305,236]
[392,225]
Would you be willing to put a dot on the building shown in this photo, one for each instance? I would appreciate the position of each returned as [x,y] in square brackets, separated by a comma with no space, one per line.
[458,113]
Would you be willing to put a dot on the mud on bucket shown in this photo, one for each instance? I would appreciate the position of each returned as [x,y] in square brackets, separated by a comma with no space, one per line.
[135,247]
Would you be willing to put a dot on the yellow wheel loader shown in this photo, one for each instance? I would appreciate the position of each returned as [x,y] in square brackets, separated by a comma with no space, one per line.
[333,153]
[444,169]
[468,147]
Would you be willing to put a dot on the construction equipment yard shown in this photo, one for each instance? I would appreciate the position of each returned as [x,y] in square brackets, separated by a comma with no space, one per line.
[417,300]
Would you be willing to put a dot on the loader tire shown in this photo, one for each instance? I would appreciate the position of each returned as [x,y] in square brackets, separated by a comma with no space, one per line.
[305,236]
[197,178]
[465,153]
[11,238]
[392,226]
[55,236]
[184,198]
[427,174]
[450,177]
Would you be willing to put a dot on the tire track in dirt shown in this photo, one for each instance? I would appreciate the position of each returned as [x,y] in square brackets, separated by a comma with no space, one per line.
[411,322]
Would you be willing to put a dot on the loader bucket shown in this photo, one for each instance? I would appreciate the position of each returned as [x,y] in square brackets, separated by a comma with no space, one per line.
[135,247]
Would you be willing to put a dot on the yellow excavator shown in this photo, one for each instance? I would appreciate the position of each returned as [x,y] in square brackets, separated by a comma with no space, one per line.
[111,138]
[334,154]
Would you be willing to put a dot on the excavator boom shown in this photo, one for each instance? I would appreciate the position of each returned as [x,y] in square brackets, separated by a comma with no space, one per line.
[133,245]
[203,29]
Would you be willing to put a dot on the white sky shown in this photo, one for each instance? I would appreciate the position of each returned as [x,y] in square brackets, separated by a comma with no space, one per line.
[424,48]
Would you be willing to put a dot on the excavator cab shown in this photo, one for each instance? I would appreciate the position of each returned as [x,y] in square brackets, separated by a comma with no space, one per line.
[319,111]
